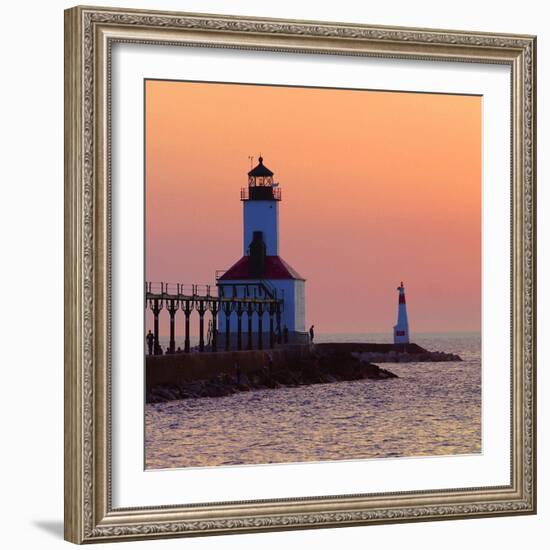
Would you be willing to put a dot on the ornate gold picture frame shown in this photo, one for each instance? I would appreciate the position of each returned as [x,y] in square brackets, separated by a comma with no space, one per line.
[90,34]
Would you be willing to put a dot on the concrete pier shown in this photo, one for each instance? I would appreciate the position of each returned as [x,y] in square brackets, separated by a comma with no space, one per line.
[181,368]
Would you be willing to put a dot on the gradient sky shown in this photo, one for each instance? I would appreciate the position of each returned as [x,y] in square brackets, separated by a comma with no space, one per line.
[377,187]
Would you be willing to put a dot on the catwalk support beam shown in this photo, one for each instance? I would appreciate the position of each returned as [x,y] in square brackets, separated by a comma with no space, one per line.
[159,296]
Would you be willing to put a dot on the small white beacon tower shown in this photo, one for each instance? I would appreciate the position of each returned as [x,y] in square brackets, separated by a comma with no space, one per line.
[401,329]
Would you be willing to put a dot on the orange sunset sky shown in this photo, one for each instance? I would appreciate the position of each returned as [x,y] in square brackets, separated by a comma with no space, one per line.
[377,187]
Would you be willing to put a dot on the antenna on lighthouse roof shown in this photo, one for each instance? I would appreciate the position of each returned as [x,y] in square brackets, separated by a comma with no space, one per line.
[251,159]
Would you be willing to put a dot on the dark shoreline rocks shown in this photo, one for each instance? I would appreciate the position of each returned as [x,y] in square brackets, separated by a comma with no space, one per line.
[388,353]
[217,374]
[319,368]
[404,357]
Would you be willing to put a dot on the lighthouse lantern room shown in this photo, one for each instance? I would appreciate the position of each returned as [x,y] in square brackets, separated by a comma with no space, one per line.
[261,271]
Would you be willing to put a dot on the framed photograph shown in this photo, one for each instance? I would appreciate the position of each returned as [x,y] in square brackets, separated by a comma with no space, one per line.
[300,274]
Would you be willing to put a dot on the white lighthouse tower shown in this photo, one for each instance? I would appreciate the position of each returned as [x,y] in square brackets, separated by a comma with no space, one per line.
[261,271]
[401,329]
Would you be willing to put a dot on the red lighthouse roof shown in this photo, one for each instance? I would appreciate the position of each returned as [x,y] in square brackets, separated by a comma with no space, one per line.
[274,268]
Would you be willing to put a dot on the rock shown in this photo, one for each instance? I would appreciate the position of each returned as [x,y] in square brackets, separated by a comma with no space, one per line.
[325,367]
[194,388]
[329,379]
[383,374]
[285,377]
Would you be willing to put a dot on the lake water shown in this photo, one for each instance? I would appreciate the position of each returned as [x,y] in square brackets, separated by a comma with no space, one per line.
[431,409]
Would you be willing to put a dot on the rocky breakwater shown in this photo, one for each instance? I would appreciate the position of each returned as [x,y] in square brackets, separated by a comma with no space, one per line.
[392,353]
[248,371]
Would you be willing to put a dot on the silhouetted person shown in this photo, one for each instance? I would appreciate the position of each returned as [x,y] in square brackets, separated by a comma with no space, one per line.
[150,341]
[311,333]
[209,334]
[178,350]
[285,335]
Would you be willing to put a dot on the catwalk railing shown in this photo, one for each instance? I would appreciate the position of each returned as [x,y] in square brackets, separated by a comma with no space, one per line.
[253,300]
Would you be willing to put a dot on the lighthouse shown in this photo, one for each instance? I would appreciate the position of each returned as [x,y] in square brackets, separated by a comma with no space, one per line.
[261,271]
[401,329]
